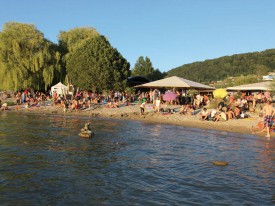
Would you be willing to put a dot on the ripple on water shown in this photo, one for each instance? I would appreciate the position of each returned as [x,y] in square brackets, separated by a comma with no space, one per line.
[44,161]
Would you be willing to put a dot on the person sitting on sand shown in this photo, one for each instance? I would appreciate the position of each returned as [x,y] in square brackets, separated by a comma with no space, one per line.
[4,106]
[230,113]
[204,114]
[89,103]
[213,113]
[237,112]
[217,117]
[223,116]
[190,109]
[220,105]
[75,105]
[63,106]
[112,104]
[127,102]
[115,105]
[109,104]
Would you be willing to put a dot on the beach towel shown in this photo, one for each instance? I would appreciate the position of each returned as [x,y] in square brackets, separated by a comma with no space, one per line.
[166,113]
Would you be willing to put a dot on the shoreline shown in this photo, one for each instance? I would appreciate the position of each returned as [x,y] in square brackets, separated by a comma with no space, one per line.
[132,112]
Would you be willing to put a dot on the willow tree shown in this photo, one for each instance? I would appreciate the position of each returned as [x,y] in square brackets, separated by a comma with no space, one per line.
[26,58]
[96,65]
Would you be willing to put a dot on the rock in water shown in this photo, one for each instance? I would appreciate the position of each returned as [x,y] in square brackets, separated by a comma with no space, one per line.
[86,131]
[220,163]
[86,134]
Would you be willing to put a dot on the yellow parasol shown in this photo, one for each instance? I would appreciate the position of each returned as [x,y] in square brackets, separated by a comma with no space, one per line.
[220,93]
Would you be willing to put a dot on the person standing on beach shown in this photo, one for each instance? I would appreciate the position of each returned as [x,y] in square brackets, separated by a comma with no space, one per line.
[142,107]
[269,112]
[157,104]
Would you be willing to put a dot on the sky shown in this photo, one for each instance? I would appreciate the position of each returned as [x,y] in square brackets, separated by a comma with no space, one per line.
[170,32]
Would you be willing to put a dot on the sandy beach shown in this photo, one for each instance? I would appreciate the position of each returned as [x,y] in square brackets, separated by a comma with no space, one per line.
[132,112]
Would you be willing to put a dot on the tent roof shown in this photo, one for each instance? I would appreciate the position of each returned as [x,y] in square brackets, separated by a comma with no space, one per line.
[176,82]
[60,85]
[260,86]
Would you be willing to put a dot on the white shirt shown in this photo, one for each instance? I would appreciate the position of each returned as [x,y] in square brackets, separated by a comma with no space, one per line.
[213,113]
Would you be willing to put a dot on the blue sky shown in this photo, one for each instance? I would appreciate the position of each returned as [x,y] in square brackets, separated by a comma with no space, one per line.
[170,32]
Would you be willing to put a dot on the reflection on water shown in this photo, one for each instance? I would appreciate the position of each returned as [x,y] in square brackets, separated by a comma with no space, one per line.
[44,161]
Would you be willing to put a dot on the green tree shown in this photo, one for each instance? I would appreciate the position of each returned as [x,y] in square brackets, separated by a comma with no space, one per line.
[70,40]
[258,63]
[157,74]
[144,67]
[27,58]
[96,65]
[249,79]
[261,70]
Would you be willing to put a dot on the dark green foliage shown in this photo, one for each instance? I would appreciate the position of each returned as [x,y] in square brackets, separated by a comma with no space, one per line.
[68,41]
[96,65]
[258,63]
[144,67]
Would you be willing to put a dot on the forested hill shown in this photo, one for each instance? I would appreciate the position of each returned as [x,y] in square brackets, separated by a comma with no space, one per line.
[259,63]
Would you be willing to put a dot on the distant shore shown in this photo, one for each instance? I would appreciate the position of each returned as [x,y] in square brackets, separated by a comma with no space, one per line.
[132,112]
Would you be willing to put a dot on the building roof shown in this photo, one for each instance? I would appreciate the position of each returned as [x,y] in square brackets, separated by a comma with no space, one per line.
[176,82]
[260,86]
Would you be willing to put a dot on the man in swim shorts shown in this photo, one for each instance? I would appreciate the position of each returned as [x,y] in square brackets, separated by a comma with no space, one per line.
[269,111]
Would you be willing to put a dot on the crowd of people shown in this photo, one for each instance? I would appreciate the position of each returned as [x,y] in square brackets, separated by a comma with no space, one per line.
[229,108]
[237,108]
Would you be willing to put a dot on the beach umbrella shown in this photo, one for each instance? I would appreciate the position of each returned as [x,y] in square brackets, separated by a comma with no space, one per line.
[220,93]
[169,96]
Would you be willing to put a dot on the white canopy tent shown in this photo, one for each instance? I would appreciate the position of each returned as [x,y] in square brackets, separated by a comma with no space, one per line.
[60,89]
[260,86]
[176,82]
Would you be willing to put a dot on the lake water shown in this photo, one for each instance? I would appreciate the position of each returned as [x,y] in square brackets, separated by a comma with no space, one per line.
[43,161]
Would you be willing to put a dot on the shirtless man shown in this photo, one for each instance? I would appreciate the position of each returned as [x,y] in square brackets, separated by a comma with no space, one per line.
[269,111]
